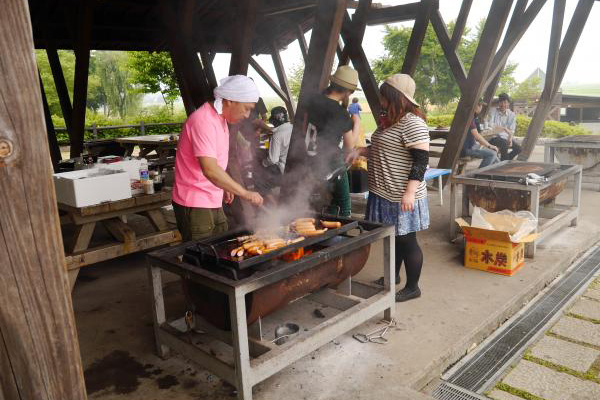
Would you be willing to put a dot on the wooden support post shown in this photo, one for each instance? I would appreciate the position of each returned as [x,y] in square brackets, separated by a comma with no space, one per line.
[361,64]
[39,350]
[461,22]
[283,81]
[302,42]
[61,88]
[82,64]
[454,61]
[244,24]
[52,141]
[323,42]
[490,37]
[418,34]
[558,60]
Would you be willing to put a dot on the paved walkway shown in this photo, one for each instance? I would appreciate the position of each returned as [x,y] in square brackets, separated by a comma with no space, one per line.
[565,363]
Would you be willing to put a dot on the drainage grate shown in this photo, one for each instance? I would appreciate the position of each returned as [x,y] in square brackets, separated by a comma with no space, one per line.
[483,368]
[448,391]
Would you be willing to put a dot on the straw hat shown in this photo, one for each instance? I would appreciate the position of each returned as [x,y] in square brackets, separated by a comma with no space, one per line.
[405,85]
[345,77]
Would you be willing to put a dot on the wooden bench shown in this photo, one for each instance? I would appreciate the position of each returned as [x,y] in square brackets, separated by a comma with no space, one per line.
[462,163]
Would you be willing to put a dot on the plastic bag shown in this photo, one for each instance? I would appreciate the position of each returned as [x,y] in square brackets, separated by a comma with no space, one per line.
[518,224]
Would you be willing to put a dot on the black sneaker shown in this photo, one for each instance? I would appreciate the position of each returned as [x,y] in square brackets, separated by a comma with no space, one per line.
[407,294]
[380,281]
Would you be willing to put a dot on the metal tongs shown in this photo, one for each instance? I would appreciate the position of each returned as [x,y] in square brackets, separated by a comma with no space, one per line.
[337,172]
[377,336]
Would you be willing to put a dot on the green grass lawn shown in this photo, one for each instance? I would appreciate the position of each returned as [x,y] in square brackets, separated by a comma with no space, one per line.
[368,122]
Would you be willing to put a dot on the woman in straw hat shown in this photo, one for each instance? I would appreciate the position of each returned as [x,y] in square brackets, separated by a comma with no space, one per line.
[398,159]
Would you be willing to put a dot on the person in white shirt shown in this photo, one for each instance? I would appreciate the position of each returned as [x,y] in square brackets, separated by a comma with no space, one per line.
[280,141]
[503,122]
[274,162]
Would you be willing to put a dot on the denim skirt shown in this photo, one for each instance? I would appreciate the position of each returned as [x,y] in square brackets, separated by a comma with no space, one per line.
[390,213]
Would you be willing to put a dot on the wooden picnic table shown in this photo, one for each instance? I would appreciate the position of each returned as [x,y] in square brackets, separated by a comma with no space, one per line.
[163,145]
[113,216]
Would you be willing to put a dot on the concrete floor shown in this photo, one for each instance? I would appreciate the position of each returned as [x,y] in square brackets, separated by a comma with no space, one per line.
[459,308]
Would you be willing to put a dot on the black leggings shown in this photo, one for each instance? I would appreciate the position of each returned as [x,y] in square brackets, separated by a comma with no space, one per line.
[409,252]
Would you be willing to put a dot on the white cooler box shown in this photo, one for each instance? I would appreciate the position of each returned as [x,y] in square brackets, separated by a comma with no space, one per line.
[88,187]
[130,166]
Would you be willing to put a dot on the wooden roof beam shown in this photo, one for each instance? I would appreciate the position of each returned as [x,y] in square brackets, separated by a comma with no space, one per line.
[361,64]
[559,57]
[461,22]
[418,35]
[283,81]
[512,38]
[491,86]
[302,42]
[456,65]
[359,24]
[388,15]
[267,78]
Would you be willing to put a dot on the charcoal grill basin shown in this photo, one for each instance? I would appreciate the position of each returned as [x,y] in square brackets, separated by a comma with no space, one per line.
[581,150]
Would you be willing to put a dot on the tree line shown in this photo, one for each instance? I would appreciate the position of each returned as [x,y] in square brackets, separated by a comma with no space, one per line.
[117,80]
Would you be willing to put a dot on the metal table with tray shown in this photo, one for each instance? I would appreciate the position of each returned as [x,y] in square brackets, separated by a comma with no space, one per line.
[318,276]
[505,184]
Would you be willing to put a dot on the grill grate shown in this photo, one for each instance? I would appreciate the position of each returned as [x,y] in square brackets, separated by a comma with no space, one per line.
[493,357]
[448,391]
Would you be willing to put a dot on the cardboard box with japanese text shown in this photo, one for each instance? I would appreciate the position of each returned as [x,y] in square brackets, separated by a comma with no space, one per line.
[493,251]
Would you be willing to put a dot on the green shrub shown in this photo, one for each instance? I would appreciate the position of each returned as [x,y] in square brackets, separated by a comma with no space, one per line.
[552,129]
[440,120]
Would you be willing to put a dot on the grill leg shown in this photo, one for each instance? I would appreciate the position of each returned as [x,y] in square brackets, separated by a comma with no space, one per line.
[389,271]
[577,195]
[158,309]
[239,330]
[453,212]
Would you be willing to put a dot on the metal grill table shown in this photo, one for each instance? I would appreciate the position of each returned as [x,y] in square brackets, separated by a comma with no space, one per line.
[551,217]
[253,360]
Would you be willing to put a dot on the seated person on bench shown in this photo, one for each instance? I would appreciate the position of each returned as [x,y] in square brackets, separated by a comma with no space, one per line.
[503,123]
[476,146]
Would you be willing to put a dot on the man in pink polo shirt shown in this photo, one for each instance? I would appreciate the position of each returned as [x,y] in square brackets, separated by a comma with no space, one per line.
[201,183]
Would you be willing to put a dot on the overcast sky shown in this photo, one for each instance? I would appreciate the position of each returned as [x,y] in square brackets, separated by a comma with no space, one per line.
[530,53]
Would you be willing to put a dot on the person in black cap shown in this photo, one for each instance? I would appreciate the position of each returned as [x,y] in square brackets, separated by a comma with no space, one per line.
[503,122]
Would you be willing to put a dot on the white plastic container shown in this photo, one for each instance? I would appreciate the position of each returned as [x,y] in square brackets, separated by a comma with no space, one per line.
[92,186]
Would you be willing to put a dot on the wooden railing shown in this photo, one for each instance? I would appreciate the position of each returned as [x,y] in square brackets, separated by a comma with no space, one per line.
[142,127]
